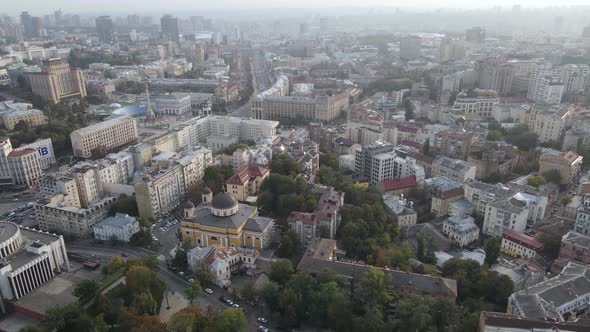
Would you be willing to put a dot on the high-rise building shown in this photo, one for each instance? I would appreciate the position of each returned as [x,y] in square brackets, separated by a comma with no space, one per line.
[545,86]
[31,25]
[57,81]
[106,135]
[323,25]
[169,28]
[104,29]
[475,35]
[494,74]
[409,47]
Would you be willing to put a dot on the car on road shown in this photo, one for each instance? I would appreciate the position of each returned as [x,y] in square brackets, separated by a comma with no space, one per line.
[191,280]
[262,320]
[235,305]
[226,300]
[263,329]
[208,291]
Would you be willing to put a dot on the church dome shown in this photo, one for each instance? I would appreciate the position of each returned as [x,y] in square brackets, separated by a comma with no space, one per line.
[189,205]
[224,204]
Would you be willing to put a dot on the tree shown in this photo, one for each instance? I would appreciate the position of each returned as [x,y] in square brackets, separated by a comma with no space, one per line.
[285,165]
[193,290]
[125,204]
[492,249]
[375,289]
[329,159]
[99,324]
[189,319]
[536,181]
[551,245]
[57,317]
[409,115]
[426,148]
[248,291]
[565,200]
[114,265]
[86,290]
[288,245]
[281,271]
[553,175]
[231,320]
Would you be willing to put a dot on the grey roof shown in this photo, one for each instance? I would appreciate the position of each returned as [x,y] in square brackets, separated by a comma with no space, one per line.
[206,190]
[118,220]
[510,204]
[578,239]
[7,230]
[204,216]
[258,224]
[542,300]
[223,201]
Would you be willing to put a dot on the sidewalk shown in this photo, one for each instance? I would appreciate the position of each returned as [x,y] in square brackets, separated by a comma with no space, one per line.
[177,302]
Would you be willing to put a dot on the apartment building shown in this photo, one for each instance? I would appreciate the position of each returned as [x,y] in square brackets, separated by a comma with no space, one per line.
[475,104]
[505,213]
[549,122]
[57,81]
[454,169]
[494,74]
[545,86]
[582,224]
[568,163]
[105,135]
[54,215]
[323,221]
[31,258]
[461,230]
[402,210]
[547,300]
[453,144]
[490,158]
[575,246]
[519,245]
[443,191]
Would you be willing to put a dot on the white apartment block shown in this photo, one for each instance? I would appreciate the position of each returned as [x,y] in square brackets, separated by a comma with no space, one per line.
[454,169]
[505,213]
[161,192]
[477,104]
[24,166]
[461,230]
[108,135]
[120,226]
[389,165]
[172,104]
[44,148]
[545,86]
[30,259]
[549,122]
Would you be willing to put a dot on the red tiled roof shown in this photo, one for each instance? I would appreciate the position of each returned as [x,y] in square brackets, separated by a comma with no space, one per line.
[522,239]
[413,144]
[395,184]
[571,156]
[247,173]
[407,129]
[423,158]
[18,153]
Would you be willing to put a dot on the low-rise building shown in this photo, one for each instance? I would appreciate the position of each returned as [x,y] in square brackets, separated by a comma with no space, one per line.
[524,273]
[461,230]
[246,182]
[491,158]
[222,261]
[567,163]
[120,227]
[401,209]
[575,246]
[499,321]
[582,216]
[323,221]
[397,186]
[520,245]
[557,299]
[443,192]
[454,169]
[30,117]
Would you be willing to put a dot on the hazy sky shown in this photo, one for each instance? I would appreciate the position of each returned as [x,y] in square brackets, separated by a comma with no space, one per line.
[43,6]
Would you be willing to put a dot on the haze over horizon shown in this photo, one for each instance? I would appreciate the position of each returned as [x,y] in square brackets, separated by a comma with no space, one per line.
[115,6]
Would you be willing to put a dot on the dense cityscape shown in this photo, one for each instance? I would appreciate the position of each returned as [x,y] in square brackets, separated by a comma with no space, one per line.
[268,168]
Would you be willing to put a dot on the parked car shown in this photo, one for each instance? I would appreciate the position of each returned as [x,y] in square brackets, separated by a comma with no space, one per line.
[208,291]
[235,305]
[262,320]
[263,329]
